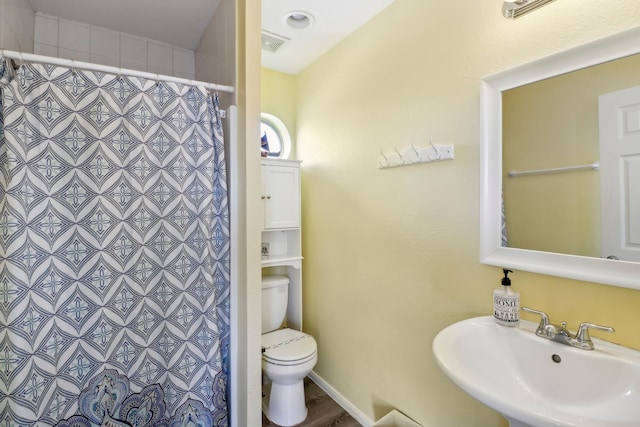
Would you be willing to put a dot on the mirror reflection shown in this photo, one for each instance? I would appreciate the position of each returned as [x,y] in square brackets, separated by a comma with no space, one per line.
[556,124]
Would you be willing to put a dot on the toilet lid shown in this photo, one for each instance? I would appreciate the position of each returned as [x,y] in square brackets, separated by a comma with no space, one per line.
[288,345]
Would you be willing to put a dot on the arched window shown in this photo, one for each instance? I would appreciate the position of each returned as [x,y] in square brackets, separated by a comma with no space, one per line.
[275,139]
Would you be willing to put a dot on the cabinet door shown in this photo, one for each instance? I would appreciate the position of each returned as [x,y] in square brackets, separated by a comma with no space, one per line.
[281,195]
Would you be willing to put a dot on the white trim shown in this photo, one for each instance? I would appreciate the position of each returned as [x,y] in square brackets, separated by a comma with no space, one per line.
[70,63]
[234,312]
[358,415]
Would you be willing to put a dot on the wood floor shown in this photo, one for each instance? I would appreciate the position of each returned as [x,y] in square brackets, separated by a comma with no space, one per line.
[323,411]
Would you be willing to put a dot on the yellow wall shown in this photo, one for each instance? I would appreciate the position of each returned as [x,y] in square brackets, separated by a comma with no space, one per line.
[549,124]
[391,256]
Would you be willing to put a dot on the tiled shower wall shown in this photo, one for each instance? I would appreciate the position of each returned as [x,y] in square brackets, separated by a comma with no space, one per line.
[23,30]
[83,42]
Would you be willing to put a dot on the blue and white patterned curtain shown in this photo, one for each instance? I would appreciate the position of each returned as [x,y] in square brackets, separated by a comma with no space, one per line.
[114,251]
[504,241]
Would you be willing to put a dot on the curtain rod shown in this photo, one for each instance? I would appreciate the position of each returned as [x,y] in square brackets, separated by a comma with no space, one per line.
[29,57]
[594,166]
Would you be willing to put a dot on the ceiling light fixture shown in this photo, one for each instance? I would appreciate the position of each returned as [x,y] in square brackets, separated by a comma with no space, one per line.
[516,8]
[299,19]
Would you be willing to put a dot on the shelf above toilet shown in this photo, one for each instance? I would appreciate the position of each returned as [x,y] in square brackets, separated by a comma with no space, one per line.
[295,262]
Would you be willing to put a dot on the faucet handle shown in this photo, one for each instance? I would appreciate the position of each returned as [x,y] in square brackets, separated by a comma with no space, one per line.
[544,319]
[582,336]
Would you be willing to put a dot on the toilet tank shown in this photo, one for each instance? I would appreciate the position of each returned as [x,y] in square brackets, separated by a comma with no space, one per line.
[275,296]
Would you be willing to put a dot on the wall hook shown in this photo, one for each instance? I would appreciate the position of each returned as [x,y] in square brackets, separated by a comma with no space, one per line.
[386,163]
[411,155]
[434,149]
[399,154]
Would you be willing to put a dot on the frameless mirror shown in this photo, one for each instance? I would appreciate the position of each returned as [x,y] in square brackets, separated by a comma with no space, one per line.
[537,117]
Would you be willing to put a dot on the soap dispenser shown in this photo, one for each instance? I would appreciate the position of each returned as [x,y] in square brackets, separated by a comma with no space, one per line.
[506,303]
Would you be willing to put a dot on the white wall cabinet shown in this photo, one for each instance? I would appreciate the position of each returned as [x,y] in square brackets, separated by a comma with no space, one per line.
[281,194]
[281,234]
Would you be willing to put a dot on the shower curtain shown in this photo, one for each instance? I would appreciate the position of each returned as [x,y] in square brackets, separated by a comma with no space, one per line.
[114,251]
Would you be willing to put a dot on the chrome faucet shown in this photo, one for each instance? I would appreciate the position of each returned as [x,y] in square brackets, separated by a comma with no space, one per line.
[559,333]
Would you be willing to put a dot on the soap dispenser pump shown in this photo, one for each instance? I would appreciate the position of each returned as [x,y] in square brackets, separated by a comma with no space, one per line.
[506,303]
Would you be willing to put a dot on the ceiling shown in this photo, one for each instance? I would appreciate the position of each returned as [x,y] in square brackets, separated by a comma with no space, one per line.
[334,20]
[182,23]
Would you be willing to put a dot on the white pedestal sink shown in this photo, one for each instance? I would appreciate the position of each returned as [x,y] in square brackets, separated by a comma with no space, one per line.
[535,382]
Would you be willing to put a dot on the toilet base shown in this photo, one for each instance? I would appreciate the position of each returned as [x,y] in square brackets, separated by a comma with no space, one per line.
[286,404]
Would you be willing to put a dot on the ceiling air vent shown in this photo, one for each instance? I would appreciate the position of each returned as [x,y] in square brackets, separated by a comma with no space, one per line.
[272,42]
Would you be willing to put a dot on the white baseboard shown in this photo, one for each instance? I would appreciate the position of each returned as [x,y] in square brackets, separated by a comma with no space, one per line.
[341,400]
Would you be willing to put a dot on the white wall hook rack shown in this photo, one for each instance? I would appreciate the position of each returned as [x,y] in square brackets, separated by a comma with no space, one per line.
[413,155]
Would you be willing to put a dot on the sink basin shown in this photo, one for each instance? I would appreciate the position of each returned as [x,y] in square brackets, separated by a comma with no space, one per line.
[534,382]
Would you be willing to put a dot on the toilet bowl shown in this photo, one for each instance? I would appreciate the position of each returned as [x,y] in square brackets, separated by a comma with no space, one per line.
[288,357]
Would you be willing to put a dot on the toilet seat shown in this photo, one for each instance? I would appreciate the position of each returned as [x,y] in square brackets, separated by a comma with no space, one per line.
[288,347]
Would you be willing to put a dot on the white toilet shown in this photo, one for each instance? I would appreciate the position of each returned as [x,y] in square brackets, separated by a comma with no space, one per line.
[288,355]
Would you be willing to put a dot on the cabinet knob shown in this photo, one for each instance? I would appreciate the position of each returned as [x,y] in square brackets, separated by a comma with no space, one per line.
[266,197]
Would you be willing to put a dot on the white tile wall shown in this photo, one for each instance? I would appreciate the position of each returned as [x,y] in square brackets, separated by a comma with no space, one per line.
[83,42]
[105,42]
[46,31]
[105,46]
[45,49]
[78,55]
[133,52]
[17,21]
[184,63]
[74,36]
[159,57]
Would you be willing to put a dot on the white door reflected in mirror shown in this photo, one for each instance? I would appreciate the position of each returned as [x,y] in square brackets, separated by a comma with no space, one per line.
[619,122]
